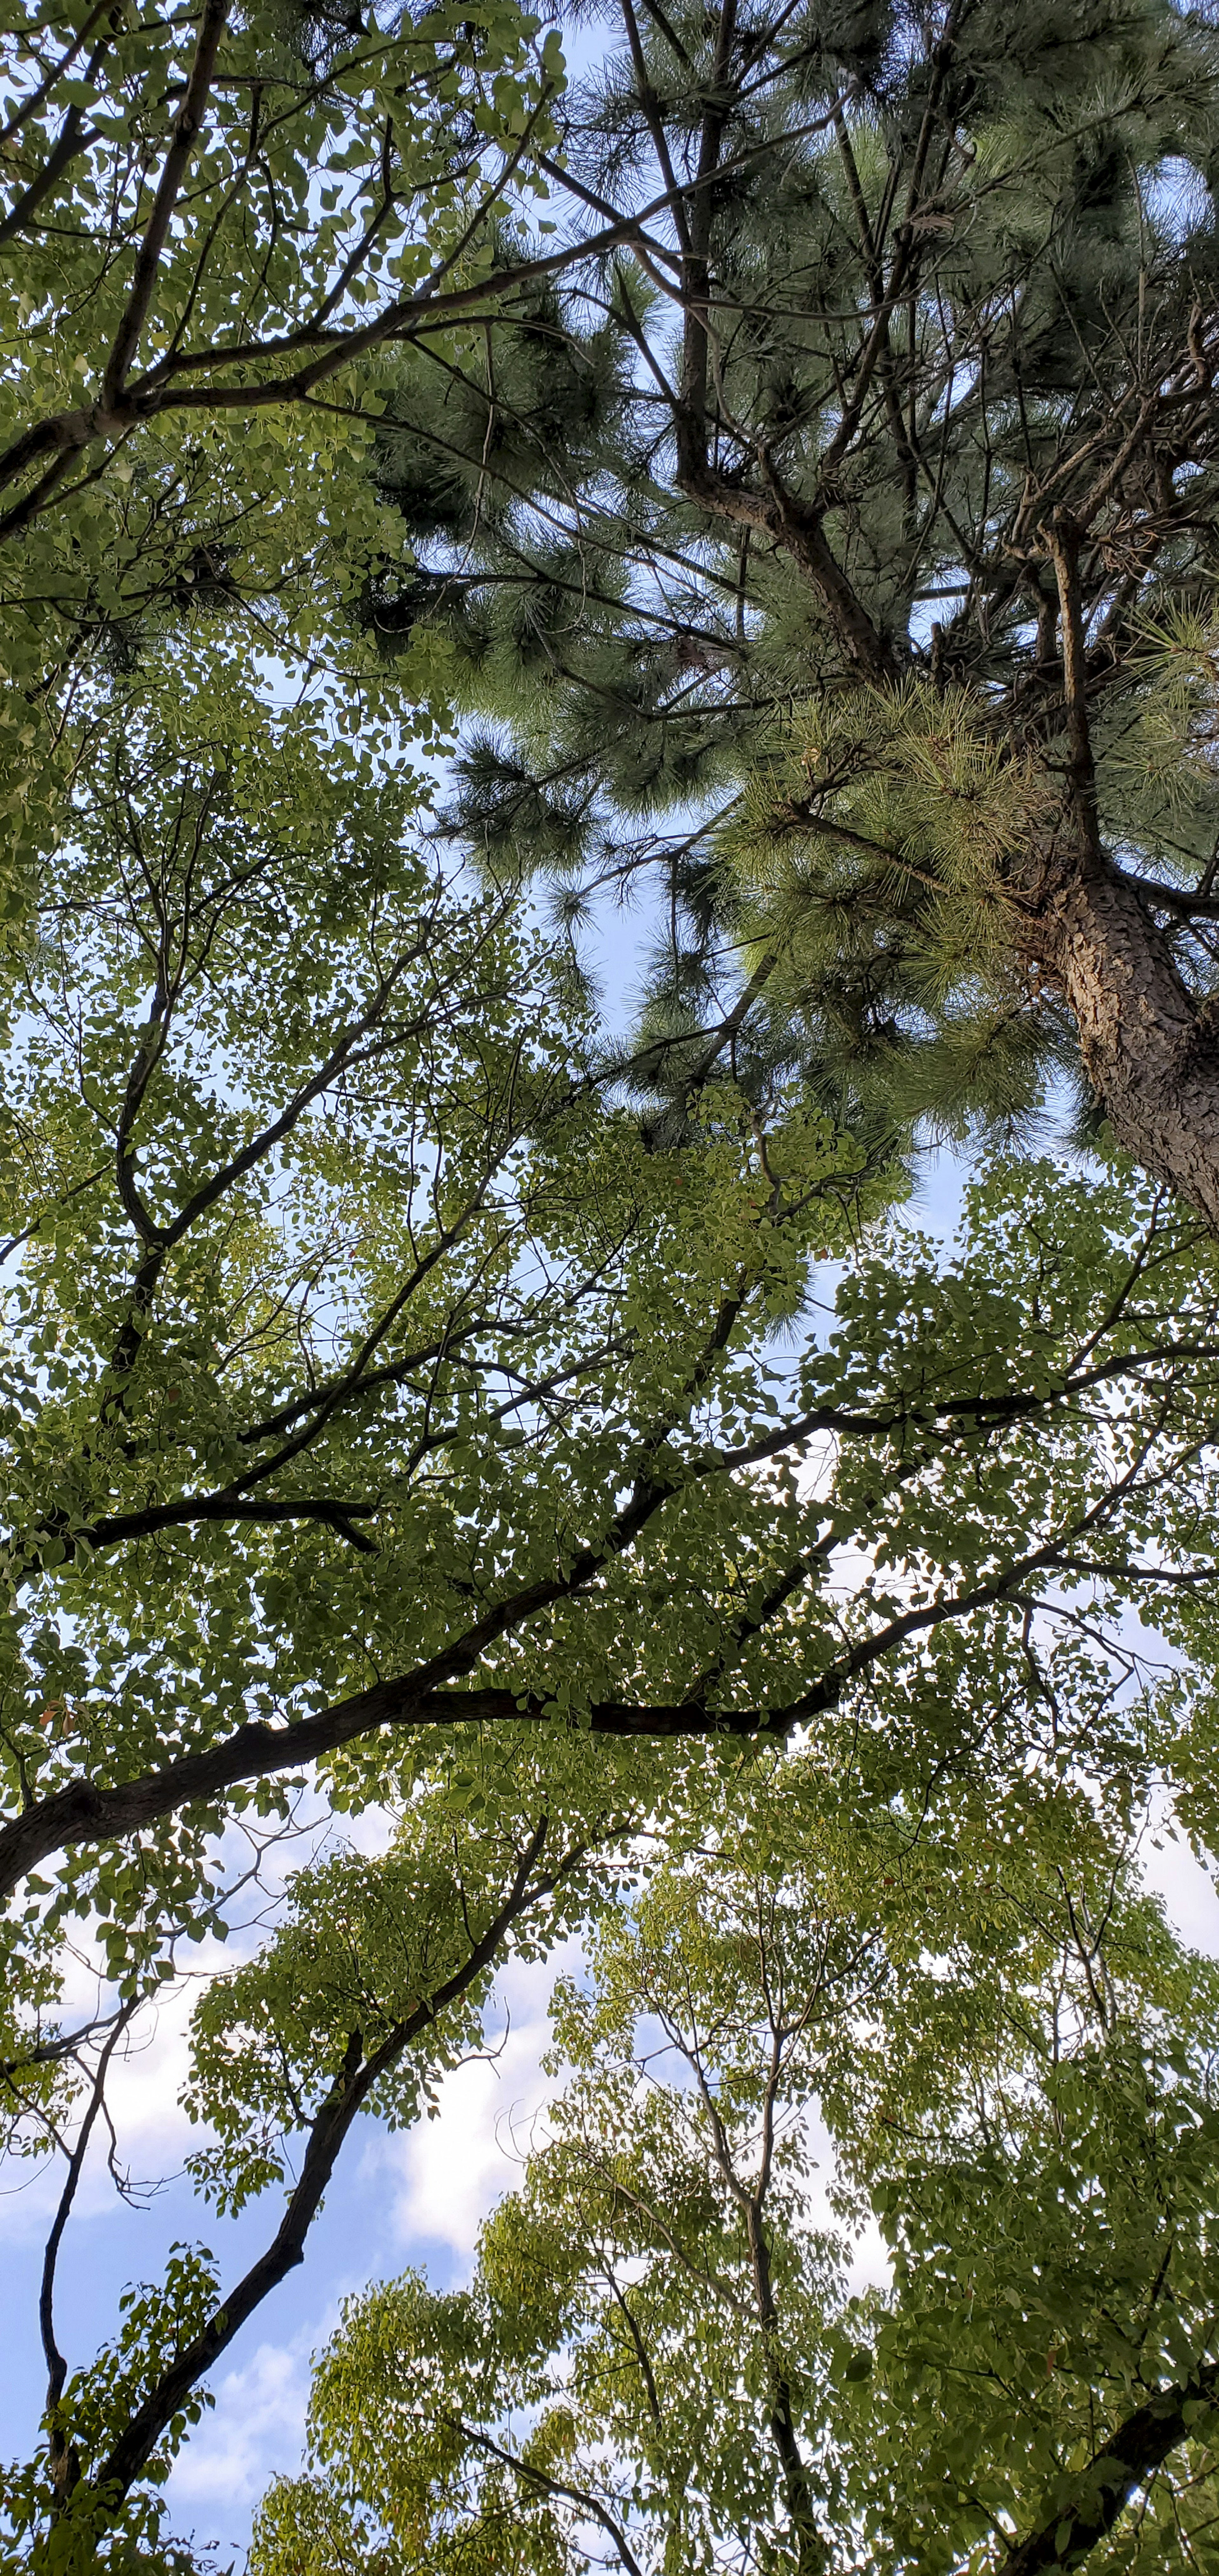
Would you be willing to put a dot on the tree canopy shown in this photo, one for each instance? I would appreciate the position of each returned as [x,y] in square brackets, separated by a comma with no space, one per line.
[380,1400]
[854,570]
[661,2360]
[565,1458]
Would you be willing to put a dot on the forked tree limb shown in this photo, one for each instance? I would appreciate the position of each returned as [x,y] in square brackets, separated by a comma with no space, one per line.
[188,127]
[83,1813]
[355,2082]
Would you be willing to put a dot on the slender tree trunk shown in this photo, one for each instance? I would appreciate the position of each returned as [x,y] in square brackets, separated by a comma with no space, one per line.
[811,2553]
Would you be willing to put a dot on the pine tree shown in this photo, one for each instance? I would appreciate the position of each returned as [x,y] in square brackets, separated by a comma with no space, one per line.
[839,546]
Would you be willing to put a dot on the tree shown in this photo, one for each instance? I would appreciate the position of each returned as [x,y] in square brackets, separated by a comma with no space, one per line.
[371,1989]
[382,1411]
[661,2362]
[857,574]
[350,1317]
[207,217]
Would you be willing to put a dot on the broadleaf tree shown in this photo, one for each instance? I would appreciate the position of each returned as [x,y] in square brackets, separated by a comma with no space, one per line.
[662,2359]
[385,1413]
[389,1412]
[211,222]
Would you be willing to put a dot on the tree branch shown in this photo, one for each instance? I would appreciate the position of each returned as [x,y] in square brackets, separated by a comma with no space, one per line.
[82,1812]
[356,2080]
[546,2485]
[62,2464]
[1103,2490]
[185,137]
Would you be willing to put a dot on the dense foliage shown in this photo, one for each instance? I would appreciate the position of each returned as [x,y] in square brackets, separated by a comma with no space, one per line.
[379,1399]
[620,1511]
[662,2361]
[840,550]
[206,215]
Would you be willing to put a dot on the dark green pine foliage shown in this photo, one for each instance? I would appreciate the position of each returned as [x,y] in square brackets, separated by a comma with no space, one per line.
[748,535]
[589,652]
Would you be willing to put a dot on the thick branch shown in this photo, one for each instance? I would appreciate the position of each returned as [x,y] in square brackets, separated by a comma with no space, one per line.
[82,1812]
[74,136]
[800,530]
[1103,2490]
[1064,540]
[63,435]
[148,258]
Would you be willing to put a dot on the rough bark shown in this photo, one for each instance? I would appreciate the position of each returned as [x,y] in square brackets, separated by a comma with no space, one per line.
[1149,1049]
[1150,1052]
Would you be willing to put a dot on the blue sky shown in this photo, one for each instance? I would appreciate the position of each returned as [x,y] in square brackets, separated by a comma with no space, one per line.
[412,2199]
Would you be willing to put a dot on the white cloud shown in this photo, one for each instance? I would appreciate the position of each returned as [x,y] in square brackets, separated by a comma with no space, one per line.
[145,2082]
[450,2171]
[256,2428]
[150,2066]
[1187,1889]
[152,2132]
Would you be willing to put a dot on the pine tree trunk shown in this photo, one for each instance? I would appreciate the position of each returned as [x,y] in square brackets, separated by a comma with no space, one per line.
[1148,1049]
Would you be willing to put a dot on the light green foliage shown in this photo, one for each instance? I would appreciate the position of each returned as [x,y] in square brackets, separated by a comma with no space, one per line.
[366,1364]
[68,2532]
[159,2320]
[370,1370]
[368,1945]
[205,214]
[347,1316]
[1011,2057]
[381,1964]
